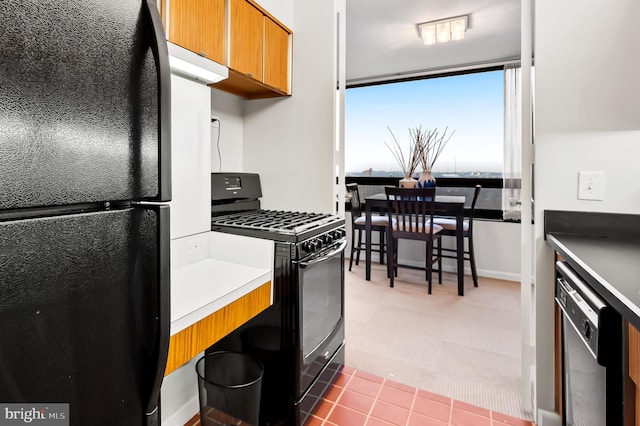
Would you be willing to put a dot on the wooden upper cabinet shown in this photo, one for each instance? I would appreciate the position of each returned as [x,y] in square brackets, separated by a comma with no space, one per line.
[198,25]
[239,34]
[245,39]
[259,54]
[276,55]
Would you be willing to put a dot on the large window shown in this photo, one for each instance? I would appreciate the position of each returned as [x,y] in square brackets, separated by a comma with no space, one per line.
[471,106]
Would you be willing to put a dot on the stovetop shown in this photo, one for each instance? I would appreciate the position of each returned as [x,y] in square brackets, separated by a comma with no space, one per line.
[276,224]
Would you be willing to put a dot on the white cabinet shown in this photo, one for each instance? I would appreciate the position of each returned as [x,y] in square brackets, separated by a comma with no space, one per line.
[190,157]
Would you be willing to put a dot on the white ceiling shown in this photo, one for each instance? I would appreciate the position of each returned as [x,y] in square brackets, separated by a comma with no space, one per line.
[383,40]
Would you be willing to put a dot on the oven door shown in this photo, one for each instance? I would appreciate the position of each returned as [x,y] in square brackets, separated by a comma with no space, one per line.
[321,311]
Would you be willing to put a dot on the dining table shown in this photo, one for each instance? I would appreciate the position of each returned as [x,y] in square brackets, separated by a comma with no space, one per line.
[445,205]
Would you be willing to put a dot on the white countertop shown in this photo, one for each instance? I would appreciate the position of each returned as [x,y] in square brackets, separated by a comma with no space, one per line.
[207,274]
[201,288]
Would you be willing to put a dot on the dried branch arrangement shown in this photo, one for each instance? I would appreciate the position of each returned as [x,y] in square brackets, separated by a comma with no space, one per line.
[407,164]
[429,145]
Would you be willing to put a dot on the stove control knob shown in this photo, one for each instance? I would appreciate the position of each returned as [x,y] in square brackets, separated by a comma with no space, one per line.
[318,243]
[327,239]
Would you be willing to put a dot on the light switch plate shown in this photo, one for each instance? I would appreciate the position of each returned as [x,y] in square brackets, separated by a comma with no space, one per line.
[591,186]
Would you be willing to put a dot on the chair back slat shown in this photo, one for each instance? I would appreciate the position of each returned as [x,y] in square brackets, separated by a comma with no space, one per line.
[354,200]
[411,210]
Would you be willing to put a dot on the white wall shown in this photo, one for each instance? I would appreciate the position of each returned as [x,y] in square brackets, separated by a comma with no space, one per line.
[587,108]
[190,152]
[290,141]
[282,10]
[180,395]
[227,132]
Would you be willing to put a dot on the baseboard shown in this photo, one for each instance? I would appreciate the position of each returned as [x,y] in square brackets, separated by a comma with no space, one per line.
[547,418]
[499,275]
[184,414]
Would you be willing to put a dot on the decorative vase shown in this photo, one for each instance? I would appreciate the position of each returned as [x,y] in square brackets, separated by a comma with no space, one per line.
[426,180]
[408,182]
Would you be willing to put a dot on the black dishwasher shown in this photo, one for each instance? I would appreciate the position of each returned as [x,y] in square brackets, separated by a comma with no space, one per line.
[591,354]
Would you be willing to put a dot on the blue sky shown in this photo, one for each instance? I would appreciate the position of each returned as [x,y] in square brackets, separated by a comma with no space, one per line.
[470,104]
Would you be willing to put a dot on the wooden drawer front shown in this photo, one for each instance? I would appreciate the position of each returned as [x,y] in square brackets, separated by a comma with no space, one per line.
[188,343]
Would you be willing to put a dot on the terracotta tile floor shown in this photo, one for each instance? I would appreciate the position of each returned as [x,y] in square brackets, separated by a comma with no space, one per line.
[359,398]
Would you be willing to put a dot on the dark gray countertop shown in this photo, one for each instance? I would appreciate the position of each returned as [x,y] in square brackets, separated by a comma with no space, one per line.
[608,260]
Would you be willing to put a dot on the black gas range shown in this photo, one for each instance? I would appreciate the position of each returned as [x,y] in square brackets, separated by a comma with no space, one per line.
[300,338]
[235,209]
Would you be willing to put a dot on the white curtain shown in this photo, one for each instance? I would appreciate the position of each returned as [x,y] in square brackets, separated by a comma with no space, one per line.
[512,163]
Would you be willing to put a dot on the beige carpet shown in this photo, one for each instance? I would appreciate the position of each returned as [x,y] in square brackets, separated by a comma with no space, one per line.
[466,348]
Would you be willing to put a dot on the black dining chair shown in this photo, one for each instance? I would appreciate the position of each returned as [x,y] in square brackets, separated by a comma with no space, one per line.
[449,229]
[411,211]
[379,223]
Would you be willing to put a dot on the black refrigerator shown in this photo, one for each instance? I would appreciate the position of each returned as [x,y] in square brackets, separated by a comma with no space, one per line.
[84,223]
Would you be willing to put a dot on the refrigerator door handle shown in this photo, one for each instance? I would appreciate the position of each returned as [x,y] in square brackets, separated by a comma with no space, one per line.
[161,55]
[164,312]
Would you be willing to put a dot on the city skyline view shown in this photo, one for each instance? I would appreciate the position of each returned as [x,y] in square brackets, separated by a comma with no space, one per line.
[470,106]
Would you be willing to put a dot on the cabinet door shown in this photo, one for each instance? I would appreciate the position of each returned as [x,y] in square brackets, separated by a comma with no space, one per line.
[276,55]
[198,25]
[246,34]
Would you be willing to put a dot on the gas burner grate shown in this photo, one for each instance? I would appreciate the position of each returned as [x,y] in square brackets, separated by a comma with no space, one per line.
[283,222]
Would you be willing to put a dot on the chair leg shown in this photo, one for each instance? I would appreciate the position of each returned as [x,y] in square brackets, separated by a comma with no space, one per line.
[389,252]
[391,260]
[429,264]
[382,247]
[429,254]
[439,240]
[395,257]
[359,246]
[353,247]
[472,261]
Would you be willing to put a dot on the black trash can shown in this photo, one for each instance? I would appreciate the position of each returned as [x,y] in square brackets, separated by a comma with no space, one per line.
[229,389]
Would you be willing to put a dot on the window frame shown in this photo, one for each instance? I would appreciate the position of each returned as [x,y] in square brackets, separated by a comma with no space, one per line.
[445,182]
[449,182]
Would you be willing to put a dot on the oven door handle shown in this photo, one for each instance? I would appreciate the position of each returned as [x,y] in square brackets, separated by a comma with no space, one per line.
[321,257]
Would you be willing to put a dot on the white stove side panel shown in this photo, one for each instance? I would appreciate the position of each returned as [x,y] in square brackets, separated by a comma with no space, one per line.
[190,157]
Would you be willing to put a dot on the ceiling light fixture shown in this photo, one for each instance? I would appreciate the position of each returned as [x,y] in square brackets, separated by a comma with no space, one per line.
[443,30]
